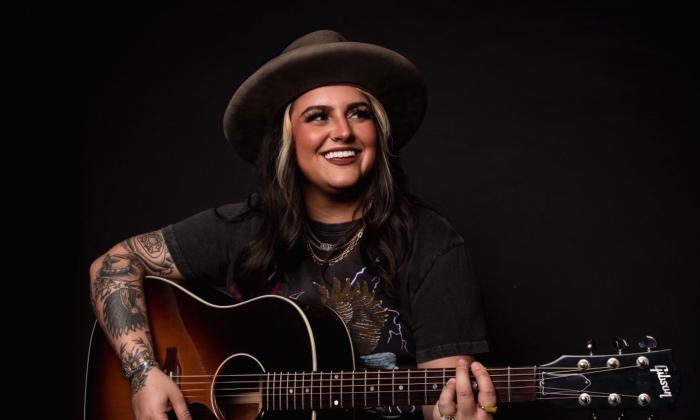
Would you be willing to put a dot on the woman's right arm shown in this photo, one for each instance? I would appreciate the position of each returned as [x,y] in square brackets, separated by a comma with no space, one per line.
[117,297]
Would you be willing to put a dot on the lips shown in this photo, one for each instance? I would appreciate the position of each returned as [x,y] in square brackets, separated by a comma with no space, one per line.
[341,156]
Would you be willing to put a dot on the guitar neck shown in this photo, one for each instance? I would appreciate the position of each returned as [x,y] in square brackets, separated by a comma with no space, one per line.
[379,388]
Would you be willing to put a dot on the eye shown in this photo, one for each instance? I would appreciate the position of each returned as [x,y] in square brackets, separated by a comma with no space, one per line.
[315,116]
[361,113]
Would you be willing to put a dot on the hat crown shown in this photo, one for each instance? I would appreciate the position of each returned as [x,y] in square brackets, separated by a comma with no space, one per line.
[323,36]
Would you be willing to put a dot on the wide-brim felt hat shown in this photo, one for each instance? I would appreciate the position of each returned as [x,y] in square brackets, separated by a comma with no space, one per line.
[317,59]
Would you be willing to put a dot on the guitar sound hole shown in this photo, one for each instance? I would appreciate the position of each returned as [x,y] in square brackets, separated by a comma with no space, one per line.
[237,388]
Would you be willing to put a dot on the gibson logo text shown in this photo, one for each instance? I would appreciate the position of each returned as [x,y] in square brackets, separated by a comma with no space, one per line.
[662,373]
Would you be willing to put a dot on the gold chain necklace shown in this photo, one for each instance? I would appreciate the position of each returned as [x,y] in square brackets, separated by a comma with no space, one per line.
[348,248]
[319,244]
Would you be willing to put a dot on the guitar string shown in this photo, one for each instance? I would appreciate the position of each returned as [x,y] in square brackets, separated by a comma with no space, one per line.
[573,369]
[550,390]
[371,381]
[357,386]
[566,393]
[361,376]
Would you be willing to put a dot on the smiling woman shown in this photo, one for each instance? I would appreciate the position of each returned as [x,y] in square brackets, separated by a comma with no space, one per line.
[335,144]
[332,225]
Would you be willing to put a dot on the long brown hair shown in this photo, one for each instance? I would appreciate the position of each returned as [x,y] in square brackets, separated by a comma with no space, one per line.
[389,213]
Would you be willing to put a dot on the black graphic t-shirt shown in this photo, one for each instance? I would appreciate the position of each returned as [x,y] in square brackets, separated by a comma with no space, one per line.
[435,312]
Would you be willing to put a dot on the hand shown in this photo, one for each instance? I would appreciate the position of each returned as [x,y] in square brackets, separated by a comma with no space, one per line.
[459,389]
[158,395]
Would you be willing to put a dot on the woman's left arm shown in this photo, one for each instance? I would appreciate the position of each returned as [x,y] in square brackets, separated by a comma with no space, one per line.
[457,398]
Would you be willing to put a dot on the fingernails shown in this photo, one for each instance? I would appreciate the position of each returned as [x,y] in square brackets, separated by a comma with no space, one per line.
[451,381]
[461,362]
[477,366]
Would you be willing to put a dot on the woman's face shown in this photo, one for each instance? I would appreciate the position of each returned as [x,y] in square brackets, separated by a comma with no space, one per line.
[335,138]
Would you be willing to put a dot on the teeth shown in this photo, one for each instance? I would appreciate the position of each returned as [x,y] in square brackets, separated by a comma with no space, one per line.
[340,154]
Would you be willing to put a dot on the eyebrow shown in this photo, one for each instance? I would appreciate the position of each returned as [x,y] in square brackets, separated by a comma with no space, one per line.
[328,108]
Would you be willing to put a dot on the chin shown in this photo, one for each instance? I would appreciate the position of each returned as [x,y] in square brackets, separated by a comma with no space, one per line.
[345,184]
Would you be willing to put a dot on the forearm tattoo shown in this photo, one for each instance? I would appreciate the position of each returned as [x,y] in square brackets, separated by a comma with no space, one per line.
[140,352]
[151,250]
[117,287]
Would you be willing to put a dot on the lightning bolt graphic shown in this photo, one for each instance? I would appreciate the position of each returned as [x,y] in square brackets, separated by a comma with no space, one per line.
[296,295]
[354,279]
[399,333]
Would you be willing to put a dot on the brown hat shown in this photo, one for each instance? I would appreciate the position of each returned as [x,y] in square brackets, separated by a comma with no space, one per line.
[317,59]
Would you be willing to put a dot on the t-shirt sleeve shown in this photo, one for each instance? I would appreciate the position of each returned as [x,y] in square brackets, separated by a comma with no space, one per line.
[446,309]
[201,245]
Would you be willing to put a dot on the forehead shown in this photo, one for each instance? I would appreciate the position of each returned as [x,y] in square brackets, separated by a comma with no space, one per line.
[330,95]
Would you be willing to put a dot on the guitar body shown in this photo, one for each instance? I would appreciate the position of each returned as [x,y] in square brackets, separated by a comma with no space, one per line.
[196,337]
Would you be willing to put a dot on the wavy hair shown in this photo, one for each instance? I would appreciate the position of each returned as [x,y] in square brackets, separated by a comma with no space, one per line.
[389,213]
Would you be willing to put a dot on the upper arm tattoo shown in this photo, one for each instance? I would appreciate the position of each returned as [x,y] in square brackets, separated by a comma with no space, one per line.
[151,250]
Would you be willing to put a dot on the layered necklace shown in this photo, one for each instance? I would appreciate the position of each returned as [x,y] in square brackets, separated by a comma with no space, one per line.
[312,242]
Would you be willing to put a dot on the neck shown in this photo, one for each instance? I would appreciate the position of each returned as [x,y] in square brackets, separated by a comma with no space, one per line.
[327,208]
[377,388]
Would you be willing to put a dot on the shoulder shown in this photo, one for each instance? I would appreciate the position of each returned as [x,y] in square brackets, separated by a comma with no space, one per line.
[231,212]
[219,220]
[238,212]
[434,231]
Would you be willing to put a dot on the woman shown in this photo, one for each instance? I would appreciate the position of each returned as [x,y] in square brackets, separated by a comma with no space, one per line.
[332,224]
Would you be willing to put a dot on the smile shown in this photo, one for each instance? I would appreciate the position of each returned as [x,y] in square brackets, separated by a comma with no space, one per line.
[340,154]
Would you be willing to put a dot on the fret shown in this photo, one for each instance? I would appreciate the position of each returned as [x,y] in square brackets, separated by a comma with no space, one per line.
[287,392]
[274,382]
[379,394]
[408,386]
[392,387]
[365,388]
[342,385]
[294,388]
[534,375]
[508,383]
[311,404]
[425,385]
[352,390]
[303,390]
[330,389]
[279,390]
[267,391]
[320,389]
[507,393]
[436,386]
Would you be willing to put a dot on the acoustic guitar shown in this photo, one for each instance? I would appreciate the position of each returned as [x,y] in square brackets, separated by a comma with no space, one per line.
[271,356]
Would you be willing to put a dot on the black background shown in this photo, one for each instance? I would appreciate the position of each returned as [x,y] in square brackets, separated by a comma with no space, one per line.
[557,142]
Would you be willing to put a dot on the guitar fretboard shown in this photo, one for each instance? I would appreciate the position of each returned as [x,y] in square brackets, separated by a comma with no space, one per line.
[379,388]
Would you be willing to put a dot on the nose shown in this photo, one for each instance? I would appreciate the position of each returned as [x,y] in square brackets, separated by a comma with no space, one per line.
[341,130]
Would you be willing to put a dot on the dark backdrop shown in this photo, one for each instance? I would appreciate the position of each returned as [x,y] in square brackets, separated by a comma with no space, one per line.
[557,142]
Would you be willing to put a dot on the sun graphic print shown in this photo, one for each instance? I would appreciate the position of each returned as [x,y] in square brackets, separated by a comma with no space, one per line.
[362,313]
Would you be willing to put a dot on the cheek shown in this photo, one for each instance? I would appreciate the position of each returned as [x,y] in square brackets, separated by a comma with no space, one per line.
[305,142]
[370,159]
[371,148]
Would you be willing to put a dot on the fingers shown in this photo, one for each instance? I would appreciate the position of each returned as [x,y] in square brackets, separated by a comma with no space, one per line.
[445,405]
[487,391]
[465,396]
[180,407]
[160,416]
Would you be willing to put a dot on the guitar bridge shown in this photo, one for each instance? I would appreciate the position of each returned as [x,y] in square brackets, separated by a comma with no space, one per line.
[172,367]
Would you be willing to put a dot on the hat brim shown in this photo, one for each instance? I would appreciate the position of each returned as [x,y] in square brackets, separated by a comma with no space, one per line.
[389,76]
